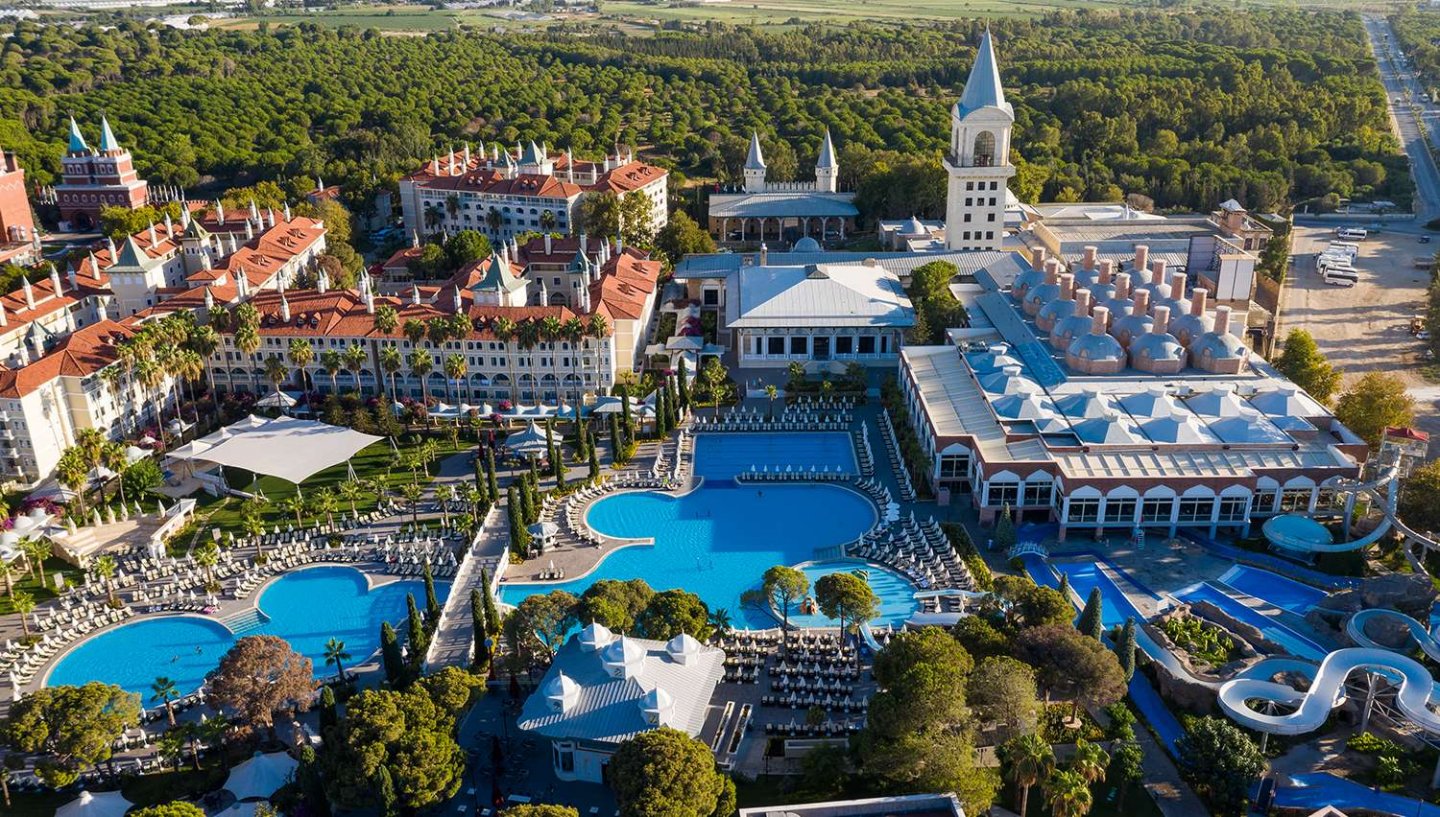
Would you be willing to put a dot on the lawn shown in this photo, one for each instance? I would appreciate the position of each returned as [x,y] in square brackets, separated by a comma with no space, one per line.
[23,580]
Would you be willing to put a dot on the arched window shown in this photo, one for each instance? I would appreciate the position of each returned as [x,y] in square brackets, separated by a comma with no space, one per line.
[984,149]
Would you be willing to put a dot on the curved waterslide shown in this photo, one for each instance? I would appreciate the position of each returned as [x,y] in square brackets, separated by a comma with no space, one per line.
[1327,690]
[1385,492]
[1429,640]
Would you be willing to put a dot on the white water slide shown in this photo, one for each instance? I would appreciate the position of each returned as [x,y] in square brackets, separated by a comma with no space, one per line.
[1427,640]
[1327,690]
[1385,492]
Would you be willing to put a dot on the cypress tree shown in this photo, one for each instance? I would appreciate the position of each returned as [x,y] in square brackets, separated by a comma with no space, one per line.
[385,793]
[627,424]
[492,615]
[390,656]
[479,474]
[519,537]
[581,435]
[615,443]
[415,637]
[662,416]
[682,383]
[1126,648]
[490,478]
[1065,585]
[534,475]
[329,716]
[560,480]
[432,602]
[312,787]
[594,462]
[1091,618]
[551,451]
[480,627]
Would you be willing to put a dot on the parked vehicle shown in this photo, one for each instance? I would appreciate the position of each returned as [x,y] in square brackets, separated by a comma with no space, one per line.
[1326,261]
[1425,239]
[1342,277]
[1351,234]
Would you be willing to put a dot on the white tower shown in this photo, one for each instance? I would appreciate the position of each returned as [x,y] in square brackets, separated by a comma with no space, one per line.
[827,168]
[978,161]
[754,166]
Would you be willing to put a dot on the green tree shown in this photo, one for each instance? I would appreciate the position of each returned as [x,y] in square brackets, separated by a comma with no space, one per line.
[921,674]
[1002,691]
[336,656]
[178,808]
[390,655]
[1026,761]
[1065,659]
[672,612]
[784,587]
[71,727]
[666,773]
[1127,767]
[1068,795]
[539,810]
[1092,617]
[1302,362]
[846,597]
[1125,649]
[1005,530]
[1089,761]
[681,236]
[547,618]
[1220,761]
[615,603]
[164,691]
[1375,401]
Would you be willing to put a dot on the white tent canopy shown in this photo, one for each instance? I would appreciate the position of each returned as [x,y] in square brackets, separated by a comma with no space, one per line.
[532,440]
[276,399]
[261,775]
[291,449]
[102,804]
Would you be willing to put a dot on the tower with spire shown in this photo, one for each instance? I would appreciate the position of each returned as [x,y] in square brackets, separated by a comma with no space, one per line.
[978,160]
[754,166]
[95,178]
[827,168]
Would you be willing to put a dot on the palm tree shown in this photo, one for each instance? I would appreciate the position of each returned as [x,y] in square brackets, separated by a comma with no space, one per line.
[392,364]
[443,494]
[413,493]
[421,364]
[771,392]
[355,358]
[36,552]
[335,654]
[293,504]
[105,568]
[1089,761]
[386,319]
[1028,760]
[203,341]
[151,376]
[720,620]
[527,334]
[323,502]
[414,331]
[551,330]
[23,603]
[206,558]
[504,331]
[574,332]
[351,490]
[301,353]
[452,205]
[247,329]
[492,220]
[455,369]
[1068,795]
[276,371]
[165,691]
[332,363]
[437,331]
[433,214]
[548,220]
[597,327]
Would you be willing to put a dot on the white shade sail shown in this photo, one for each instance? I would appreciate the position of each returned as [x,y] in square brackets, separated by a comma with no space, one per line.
[286,447]
[261,775]
[101,804]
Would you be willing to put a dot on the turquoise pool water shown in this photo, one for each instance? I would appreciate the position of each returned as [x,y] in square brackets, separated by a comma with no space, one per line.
[1296,644]
[306,608]
[1285,593]
[718,540]
[722,456]
[897,594]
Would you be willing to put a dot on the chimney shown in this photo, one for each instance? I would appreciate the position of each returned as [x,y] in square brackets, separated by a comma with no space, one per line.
[1142,256]
[1089,259]
[1107,269]
[209,299]
[584,243]
[1082,301]
[1067,286]
[1197,301]
[4,319]
[29,292]
[1177,285]
[369,302]
[1222,319]
[1157,271]
[284,308]
[1037,257]
[1162,320]
[1098,318]
[764,255]
[547,243]
[1122,286]
[1052,270]
[1142,301]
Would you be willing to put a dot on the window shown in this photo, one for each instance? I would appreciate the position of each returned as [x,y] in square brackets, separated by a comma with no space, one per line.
[1003,493]
[967,217]
[984,149]
[1232,508]
[776,346]
[1120,511]
[1295,499]
[1196,509]
[867,344]
[711,297]
[799,345]
[1037,494]
[1156,510]
[844,345]
[1328,499]
[954,466]
[1084,510]
[1263,501]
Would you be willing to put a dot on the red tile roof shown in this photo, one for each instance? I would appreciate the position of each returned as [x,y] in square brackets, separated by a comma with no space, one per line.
[84,352]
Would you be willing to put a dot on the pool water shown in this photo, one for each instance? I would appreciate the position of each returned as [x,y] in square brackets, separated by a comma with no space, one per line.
[1293,642]
[897,594]
[722,456]
[306,608]
[717,541]
[1114,606]
[1282,592]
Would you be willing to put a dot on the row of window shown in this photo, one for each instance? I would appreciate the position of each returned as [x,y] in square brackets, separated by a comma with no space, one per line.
[800,345]
[973,186]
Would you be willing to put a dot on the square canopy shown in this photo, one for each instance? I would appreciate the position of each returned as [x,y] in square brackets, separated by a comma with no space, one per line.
[291,449]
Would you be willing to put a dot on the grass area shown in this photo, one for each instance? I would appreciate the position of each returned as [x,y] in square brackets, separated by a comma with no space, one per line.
[31,584]
[36,805]
[378,464]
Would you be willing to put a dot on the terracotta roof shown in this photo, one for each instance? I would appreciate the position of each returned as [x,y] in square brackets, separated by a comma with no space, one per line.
[626,282]
[402,258]
[629,177]
[1407,433]
[481,175]
[84,352]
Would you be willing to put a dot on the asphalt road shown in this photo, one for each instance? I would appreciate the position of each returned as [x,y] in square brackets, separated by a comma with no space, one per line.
[1412,120]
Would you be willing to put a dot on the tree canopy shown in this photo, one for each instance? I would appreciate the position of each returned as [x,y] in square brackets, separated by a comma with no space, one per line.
[1302,362]
[667,773]
[259,676]
[1220,761]
[1375,401]
[71,727]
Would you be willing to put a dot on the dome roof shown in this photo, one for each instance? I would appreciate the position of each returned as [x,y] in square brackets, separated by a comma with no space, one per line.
[1188,327]
[1008,380]
[1091,346]
[622,651]
[595,635]
[1085,277]
[806,244]
[992,359]
[683,647]
[1119,307]
[561,685]
[1156,346]
[1218,346]
[1056,310]
[1040,295]
[1067,329]
[657,698]
[1127,328]
[1025,281]
[1102,292]
[1088,403]
[915,227]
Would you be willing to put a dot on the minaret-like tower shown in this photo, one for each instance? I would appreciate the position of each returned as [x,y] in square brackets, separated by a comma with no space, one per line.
[827,168]
[978,161]
[754,166]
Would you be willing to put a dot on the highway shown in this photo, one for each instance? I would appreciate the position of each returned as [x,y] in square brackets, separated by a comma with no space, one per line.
[1412,131]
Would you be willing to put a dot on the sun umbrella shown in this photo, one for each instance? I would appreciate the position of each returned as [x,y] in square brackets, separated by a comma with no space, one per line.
[261,775]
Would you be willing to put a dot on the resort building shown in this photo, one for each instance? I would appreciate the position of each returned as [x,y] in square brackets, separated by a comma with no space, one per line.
[504,362]
[93,179]
[1112,399]
[504,195]
[784,211]
[978,161]
[602,690]
[909,805]
[19,240]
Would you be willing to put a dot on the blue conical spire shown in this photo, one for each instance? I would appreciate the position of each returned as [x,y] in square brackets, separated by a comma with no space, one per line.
[983,89]
[77,142]
[108,142]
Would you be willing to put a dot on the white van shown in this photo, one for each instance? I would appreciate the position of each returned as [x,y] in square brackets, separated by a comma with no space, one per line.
[1340,277]
[1351,234]
[1326,261]
[1348,247]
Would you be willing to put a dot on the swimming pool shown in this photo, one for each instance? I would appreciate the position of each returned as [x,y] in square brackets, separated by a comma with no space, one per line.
[716,541]
[1293,642]
[1285,593]
[722,456]
[897,594]
[1114,607]
[306,608]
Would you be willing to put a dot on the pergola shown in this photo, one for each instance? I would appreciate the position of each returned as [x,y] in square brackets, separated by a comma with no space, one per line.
[286,447]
